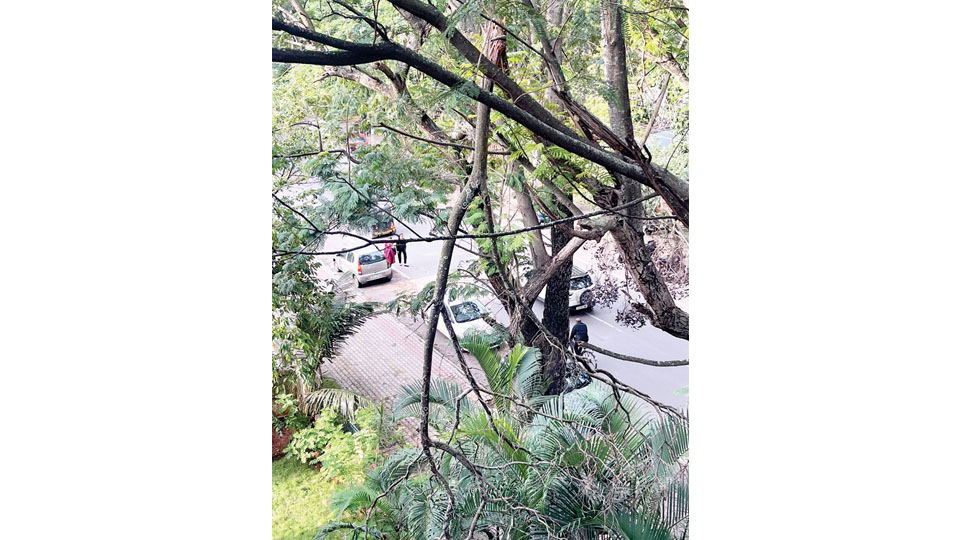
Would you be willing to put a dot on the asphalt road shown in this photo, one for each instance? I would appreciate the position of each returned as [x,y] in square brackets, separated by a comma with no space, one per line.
[661,383]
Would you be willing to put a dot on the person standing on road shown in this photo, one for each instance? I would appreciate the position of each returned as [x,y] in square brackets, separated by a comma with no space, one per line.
[388,253]
[401,250]
[577,334]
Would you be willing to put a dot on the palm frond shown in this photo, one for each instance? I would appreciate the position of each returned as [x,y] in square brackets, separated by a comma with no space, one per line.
[479,346]
[335,526]
[395,467]
[528,380]
[675,506]
[345,402]
[334,324]
[669,438]
[442,392]
[639,527]
[352,499]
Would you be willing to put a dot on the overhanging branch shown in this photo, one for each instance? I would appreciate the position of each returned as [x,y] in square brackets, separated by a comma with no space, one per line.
[545,126]
[627,358]
[334,58]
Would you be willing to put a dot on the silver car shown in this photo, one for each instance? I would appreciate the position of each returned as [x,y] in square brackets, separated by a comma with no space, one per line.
[366,266]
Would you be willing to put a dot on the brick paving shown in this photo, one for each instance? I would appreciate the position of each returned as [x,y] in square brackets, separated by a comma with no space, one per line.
[383,356]
[386,353]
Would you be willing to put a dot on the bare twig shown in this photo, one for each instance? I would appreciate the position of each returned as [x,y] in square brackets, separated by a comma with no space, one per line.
[438,143]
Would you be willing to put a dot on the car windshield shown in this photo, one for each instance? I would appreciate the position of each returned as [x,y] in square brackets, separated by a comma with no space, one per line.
[581,282]
[466,312]
[370,258]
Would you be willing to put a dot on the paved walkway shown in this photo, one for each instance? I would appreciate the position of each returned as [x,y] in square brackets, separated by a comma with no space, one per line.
[383,356]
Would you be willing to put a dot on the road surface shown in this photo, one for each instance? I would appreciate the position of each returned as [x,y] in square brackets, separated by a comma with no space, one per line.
[665,384]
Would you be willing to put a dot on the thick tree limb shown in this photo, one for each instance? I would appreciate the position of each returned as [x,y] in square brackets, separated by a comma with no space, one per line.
[663,311]
[627,358]
[615,69]
[304,17]
[334,58]
[538,281]
[640,267]
[524,101]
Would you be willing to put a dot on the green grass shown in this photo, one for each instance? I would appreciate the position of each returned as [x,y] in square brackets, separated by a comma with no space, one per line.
[301,500]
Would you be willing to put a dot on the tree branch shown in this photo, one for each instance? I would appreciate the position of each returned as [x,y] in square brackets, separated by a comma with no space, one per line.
[627,358]
[438,143]
[526,111]
[459,236]
[335,58]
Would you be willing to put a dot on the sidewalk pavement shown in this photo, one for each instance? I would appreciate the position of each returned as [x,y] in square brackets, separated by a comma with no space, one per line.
[383,356]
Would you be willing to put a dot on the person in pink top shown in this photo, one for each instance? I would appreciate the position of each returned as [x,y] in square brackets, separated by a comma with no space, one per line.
[388,251]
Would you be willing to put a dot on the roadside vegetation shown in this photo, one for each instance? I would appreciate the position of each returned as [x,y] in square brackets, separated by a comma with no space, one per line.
[520,131]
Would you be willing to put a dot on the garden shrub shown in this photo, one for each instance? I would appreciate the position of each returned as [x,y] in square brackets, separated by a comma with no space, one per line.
[307,445]
[343,455]
[287,414]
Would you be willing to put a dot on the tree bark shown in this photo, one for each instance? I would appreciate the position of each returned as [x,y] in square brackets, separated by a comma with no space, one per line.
[663,311]
[670,64]
[615,68]
[304,18]
[538,251]
[556,316]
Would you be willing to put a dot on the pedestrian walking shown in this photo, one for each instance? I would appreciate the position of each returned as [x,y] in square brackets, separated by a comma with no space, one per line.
[389,253]
[402,250]
[577,334]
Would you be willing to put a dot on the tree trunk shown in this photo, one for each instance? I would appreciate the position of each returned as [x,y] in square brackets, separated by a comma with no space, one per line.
[556,316]
[615,68]
[538,251]
[663,311]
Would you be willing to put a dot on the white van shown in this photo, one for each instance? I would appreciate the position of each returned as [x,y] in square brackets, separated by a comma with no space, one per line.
[366,266]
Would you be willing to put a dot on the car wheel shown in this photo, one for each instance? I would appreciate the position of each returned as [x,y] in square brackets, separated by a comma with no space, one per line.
[358,282]
[587,299]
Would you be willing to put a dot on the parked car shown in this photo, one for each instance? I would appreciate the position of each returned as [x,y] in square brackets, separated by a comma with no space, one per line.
[366,266]
[581,289]
[467,318]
